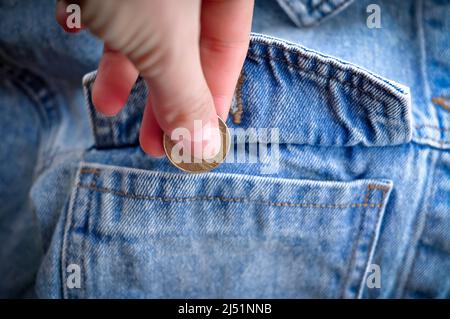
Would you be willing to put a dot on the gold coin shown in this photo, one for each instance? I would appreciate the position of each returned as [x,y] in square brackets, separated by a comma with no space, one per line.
[194,165]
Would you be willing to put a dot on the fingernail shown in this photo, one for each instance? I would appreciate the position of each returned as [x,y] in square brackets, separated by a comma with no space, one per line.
[204,141]
[211,140]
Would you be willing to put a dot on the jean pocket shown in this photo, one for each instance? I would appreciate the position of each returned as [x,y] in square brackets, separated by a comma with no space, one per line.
[138,233]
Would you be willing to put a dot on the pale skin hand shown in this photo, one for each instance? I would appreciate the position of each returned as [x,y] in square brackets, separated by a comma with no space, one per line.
[190,52]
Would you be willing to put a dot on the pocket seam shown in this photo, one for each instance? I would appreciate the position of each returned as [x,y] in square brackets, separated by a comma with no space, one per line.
[365,204]
[373,233]
[65,240]
[68,228]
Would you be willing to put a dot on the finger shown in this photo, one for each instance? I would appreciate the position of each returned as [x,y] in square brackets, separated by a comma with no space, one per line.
[116,76]
[150,136]
[225,30]
[179,92]
[165,50]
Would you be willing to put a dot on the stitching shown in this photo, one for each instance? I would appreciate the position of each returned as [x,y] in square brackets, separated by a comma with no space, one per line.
[441,101]
[429,139]
[354,246]
[94,179]
[95,172]
[65,243]
[419,127]
[329,78]
[237,115]
[89,170]
[370,188]
[366,198]
[379,187]
[224,199]
[84,240]
[385,190]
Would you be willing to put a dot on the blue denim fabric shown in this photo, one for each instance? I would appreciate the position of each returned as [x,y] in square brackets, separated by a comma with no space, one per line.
[305,13]
[363,175]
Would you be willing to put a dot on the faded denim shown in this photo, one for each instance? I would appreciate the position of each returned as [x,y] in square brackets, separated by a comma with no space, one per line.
[363,175]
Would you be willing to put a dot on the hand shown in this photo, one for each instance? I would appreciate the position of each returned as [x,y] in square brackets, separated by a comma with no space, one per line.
[190,53]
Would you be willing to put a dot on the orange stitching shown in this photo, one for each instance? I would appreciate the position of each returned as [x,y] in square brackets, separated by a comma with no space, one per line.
[372,187]
[94,171]
[237,115]
[366,198]
[94,179]
[88,170]
[385,189]
[383,197]
[442,101]
[225,199]
[380,187]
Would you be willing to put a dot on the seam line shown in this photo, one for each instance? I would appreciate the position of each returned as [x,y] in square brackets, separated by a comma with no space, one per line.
[373,241]
[225,199]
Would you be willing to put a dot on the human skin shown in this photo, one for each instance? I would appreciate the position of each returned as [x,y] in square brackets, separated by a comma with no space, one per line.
[190,53]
